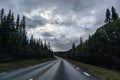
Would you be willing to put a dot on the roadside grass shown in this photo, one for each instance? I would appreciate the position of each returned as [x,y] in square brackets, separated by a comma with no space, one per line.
[103,73]
[4,67]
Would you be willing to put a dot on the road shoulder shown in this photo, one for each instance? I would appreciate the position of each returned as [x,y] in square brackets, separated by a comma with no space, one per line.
[105,74]
[9,66]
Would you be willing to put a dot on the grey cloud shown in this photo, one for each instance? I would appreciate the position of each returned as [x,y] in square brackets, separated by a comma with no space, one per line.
[65,9]
[59,45]
[36,21]
[63,36]
[47,34]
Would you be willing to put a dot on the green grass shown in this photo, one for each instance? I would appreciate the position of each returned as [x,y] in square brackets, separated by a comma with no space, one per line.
[105,74]
[20,64]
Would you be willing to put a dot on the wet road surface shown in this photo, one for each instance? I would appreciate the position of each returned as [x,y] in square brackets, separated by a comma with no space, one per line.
[58,69]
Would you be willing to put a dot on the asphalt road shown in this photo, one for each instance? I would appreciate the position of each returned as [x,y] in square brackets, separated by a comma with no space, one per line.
[58,69]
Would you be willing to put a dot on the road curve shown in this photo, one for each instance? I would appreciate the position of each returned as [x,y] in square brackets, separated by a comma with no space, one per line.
[58,69]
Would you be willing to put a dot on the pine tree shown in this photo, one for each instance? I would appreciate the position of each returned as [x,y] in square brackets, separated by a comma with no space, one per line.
[89,36]
[24,28]
[114,13]
[81,41]
[17,23]
[73,50]
[4,35]
[108,14]
[23,25]
[14,43]
[73,46]
[12,23]
[1,14]
[1,20]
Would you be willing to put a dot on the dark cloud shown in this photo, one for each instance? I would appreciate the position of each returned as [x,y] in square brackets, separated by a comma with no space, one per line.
[47,34]
[35,21]
[64,21]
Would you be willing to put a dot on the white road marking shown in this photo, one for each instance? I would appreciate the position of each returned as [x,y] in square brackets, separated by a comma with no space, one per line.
[78,68]
[31,79]
[86,74]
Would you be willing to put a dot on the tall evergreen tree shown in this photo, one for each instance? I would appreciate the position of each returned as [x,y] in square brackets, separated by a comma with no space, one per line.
[73,45]
[4,35]
[12,23]
[1,14]
[81,41]
[114,13]
[108,14]
[24,27]
[14,43]
[1,19]
[73,50]
[89,36]
[17,23]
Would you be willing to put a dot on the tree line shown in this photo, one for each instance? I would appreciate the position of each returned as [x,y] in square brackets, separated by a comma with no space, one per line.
[103,47]
[111,15]
[14,43]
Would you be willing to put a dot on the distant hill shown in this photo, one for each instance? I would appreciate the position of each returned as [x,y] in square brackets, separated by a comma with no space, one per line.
[102,48]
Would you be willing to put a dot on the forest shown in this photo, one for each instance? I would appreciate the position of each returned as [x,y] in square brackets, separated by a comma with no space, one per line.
[14,42]
[103,47]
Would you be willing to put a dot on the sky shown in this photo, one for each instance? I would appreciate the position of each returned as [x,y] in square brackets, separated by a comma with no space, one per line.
[61,22]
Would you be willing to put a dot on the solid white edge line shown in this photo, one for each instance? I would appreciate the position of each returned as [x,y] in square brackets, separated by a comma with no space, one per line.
[86,74]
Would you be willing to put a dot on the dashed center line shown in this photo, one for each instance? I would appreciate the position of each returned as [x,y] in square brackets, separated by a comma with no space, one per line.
[86,74]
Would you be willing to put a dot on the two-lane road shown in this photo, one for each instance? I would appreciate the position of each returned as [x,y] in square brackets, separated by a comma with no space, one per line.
[58,69]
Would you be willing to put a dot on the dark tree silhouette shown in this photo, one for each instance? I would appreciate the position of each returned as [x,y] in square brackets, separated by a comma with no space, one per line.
[114,13]
[73,50]
[108,14]
[14,43]
[102,48]
[81,41]
[17,23]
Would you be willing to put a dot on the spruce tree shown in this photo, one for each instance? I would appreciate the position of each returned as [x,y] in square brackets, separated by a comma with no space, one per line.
[73,50]
[114,13]
[23,25]
[108,14]
[12,23]
[17,23]
[1,14]
[81,41]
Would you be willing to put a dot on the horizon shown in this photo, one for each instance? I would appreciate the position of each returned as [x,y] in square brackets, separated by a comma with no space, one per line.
[55,21]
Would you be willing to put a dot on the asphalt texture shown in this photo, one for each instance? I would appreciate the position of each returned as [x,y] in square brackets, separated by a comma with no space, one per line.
[59,69]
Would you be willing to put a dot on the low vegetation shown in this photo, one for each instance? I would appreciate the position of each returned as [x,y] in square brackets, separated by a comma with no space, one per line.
[103,73]
[8,66]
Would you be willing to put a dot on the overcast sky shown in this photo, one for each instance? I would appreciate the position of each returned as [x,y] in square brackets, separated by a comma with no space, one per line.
[61,22]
